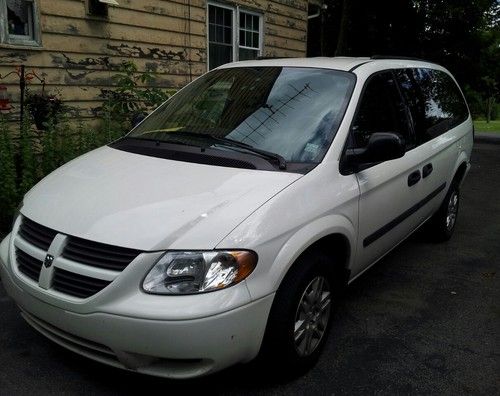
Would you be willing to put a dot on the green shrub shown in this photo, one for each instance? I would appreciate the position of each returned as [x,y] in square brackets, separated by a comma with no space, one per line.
[36,152]
[8,185]
[130,98]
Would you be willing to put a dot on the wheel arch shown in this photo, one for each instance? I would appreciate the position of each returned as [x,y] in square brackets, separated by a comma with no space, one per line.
[337,242]
[460,169]
[460,173]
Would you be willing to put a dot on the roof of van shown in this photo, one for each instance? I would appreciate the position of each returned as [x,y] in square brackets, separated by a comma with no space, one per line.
[337,63]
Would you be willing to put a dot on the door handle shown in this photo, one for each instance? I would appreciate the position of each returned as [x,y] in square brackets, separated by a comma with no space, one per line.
[414,178]
[427,170]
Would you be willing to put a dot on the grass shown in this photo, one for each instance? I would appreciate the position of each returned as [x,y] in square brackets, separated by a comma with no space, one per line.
[483,126]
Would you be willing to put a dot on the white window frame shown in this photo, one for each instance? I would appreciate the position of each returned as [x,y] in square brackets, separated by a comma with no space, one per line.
[236,29]
[260,32]
[32,40]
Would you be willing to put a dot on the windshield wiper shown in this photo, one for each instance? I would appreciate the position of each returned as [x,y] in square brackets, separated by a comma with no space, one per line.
[267,154]
[157,141]
[230,143]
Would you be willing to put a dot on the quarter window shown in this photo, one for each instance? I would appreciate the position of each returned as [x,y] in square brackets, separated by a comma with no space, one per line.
[380,110]
[19,22]
[233,34]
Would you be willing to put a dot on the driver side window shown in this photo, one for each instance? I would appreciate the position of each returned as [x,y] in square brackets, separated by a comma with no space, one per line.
[381,109]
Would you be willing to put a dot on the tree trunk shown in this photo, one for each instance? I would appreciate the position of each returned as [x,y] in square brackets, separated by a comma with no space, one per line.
[344,27]
[489,106]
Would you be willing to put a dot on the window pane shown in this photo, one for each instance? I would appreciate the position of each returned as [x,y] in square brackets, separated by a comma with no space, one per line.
[219,54]
[248,54]
[435,102]
[211,14]
[256,23]
[228,37]
[248,39]
[294,111]
[381,110]
[413,96]
[20,17]
[227,17]
[220,36]
[255,40]
[249,30]
[219,16]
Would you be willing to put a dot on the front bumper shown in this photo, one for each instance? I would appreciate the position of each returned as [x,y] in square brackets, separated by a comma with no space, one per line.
[147,344]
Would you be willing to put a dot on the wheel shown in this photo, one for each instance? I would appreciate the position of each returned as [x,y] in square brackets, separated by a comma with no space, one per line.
[442,224]
[301,315]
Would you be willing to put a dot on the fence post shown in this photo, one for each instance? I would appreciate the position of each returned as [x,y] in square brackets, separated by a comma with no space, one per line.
[22,87]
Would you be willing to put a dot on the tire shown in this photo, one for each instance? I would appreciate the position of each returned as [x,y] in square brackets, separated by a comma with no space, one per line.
[442,223]
[300,317]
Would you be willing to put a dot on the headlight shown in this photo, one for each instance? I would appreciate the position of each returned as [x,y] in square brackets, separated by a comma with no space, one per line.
[198,272]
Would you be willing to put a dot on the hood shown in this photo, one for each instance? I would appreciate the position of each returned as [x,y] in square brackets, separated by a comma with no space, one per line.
[148,203]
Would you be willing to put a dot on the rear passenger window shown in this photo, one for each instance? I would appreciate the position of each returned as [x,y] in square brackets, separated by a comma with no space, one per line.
[381,109]
[436,104]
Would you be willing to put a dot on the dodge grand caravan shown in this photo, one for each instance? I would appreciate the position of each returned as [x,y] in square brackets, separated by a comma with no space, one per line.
[225,224]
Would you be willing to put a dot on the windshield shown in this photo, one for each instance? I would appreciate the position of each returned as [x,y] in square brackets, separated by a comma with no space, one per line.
[292,112]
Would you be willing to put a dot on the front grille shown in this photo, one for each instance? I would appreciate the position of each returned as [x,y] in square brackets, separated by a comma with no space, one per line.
[36,234]
[81,252]
[99,254]
[77,285]
[28,265]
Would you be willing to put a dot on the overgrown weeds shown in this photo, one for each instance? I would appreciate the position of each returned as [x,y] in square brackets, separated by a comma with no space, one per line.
[29,152]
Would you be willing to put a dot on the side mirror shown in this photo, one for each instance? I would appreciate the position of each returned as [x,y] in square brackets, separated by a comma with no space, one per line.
[382,146]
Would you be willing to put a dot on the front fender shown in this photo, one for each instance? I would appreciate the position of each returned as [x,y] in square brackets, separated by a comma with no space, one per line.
[273,266]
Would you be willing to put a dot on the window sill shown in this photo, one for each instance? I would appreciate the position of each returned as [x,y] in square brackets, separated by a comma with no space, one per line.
[97,18]
[26,47]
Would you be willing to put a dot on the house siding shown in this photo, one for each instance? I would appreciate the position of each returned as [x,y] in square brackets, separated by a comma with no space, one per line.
[80,53]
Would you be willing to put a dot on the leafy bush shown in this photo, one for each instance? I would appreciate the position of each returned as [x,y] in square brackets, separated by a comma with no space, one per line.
[8,185]
[44,108]
[27,154]
[130,97]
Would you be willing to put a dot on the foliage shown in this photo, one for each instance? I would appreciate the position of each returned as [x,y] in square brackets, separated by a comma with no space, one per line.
[462,35]
[43,108]
[483,126]
[27,154]
[134,94]
[8,185]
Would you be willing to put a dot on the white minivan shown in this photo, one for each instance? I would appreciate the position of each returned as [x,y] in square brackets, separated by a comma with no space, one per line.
[225,225]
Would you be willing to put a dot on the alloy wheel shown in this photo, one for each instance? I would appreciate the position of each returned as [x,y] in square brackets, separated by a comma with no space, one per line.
[451,215]
[312,316]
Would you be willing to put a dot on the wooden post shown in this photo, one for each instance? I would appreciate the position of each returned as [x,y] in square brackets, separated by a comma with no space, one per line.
[22,87]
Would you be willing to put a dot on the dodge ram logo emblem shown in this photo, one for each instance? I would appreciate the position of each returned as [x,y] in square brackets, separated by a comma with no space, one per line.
[48,261]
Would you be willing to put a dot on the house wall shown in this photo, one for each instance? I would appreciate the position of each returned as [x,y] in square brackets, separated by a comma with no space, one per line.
[80,53]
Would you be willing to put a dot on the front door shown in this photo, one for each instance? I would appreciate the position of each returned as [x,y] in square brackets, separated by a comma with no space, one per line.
[390,192]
